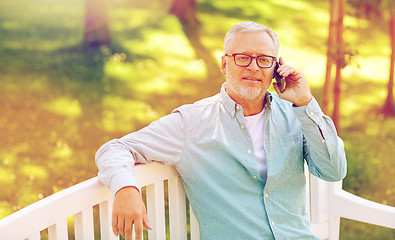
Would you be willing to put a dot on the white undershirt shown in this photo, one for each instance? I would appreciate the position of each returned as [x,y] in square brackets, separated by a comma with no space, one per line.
[255,125]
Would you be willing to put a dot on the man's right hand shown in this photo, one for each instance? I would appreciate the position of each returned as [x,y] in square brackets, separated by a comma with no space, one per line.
[129,209]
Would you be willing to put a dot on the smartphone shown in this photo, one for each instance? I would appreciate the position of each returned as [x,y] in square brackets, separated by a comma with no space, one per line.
[279,79]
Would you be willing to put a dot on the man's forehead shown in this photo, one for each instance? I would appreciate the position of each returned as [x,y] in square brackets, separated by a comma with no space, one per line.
[256,42]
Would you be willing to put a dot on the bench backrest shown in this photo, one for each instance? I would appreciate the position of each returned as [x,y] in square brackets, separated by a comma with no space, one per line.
[327,203]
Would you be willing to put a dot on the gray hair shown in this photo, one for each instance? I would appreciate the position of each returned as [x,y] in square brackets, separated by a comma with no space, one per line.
[250,27]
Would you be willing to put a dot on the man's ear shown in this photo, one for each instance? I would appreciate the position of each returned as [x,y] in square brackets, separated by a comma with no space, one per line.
[223,65]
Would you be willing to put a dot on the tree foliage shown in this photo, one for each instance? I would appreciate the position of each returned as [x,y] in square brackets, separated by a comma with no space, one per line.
[60,101]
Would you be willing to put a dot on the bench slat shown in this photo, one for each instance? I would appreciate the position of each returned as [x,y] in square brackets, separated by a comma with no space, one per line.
[195,230]
[177,209]
[58,231]
[83,223]
[156,210]
[105,209]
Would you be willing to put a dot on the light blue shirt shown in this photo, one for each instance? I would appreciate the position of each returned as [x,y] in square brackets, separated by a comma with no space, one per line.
[210,146]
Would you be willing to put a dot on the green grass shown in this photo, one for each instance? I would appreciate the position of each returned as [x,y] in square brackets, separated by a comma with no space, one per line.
[60,102]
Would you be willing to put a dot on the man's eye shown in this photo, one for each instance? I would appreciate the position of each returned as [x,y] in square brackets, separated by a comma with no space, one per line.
[243,58]
[263,60]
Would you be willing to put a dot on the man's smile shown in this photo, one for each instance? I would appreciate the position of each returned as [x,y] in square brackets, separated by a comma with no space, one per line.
[252,79]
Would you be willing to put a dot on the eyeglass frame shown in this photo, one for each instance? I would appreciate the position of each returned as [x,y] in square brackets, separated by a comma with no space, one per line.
[274,59]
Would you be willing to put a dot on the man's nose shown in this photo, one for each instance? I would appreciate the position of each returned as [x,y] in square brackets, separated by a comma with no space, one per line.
[253,65]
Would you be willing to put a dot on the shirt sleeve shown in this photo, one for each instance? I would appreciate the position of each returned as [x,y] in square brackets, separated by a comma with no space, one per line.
[161,141]
[323,149]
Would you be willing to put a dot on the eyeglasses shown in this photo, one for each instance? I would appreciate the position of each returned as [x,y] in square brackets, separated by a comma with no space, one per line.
[244,60]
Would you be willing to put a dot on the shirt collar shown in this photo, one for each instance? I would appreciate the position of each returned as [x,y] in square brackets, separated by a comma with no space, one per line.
[232,107]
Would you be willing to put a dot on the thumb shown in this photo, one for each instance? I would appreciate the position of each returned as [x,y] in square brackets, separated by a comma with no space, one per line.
[146,222]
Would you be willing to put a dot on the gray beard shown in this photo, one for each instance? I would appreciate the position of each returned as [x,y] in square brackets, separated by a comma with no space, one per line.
[249,93]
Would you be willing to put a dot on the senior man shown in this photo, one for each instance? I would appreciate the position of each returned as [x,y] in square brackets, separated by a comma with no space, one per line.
[240,153]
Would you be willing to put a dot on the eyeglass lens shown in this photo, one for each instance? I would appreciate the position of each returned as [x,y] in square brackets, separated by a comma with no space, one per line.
[245,60]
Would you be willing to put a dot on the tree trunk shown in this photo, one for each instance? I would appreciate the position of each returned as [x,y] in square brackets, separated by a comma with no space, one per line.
[185,11]
[330,55]
[388,108]
[339,65]
[96,23]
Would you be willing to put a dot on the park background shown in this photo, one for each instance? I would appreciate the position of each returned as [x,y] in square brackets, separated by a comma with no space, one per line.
[61,98]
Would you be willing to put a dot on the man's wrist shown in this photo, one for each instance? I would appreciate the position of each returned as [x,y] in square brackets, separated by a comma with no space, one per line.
[129,188]
[303,102]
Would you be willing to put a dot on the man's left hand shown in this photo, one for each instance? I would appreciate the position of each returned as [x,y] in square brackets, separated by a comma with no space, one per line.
[297,89]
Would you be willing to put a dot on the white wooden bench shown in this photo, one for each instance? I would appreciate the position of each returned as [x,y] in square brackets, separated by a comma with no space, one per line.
[327,203]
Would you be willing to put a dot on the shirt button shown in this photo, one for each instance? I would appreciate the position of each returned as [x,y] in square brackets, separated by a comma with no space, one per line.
[266,195]
[273,223]
[311,114]
[237,107]
[249,151]
[242,126]
[323,141]
[255,177]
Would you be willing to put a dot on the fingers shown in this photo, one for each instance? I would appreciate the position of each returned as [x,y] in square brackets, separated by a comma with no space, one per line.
[121,227]
[125,228]
[146,222]
[138,228]
[281,61]
[129,231]
[286,70]
[128,210]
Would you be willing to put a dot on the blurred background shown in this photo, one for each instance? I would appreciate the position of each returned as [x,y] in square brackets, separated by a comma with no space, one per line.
[75,74]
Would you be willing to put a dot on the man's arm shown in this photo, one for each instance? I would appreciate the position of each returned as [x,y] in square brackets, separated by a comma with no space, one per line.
[323,149]
[161,141]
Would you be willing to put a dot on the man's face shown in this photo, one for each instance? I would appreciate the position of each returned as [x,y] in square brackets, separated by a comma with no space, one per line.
[248,83]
